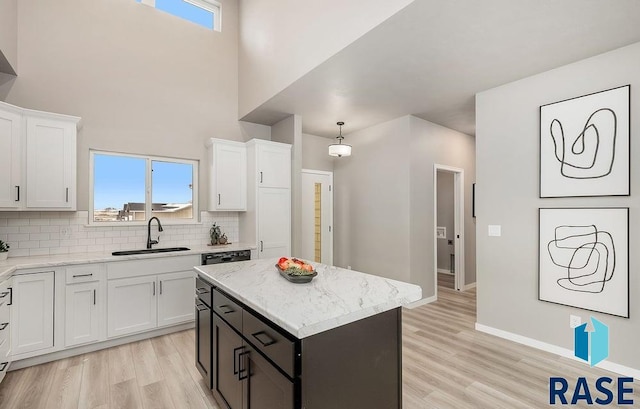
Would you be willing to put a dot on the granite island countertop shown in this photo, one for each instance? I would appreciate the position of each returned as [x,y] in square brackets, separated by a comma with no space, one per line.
[22,263]
[335,297]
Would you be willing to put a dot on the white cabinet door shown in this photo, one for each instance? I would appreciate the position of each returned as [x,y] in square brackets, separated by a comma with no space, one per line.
[51,164]
[32,312]
[229,177]
[82,313]
[11,160]
[274,166]
[131,305]
[175,298]
[274,222]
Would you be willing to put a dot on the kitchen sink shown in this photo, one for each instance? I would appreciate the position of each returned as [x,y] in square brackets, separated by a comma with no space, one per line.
[149,251]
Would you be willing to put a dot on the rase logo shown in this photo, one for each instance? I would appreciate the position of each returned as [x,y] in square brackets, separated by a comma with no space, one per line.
[591,347]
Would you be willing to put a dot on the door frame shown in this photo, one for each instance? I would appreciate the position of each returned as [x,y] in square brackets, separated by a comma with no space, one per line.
[331,226]
[458,224]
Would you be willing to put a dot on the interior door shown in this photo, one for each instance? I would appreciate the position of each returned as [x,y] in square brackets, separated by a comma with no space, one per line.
[317,216]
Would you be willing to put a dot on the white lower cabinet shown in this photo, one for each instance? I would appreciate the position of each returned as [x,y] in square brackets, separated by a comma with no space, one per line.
[5,327]
[143,303]
[131,305]
[274,222]
[175,299]
[82,313]
[32,312]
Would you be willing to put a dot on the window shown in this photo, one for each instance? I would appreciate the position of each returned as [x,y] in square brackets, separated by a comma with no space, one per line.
[134,188]
[203,12]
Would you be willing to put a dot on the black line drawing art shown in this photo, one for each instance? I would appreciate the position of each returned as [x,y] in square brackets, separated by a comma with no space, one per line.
[587,254]
[585,145]
[583,258]
[592,152]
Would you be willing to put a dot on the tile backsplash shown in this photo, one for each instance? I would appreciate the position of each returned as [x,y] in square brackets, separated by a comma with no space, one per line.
[45,233]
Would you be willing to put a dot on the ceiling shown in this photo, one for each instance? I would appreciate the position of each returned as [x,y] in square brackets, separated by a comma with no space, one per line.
[431,58]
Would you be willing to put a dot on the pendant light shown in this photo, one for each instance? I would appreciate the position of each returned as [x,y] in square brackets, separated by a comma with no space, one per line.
[338,149]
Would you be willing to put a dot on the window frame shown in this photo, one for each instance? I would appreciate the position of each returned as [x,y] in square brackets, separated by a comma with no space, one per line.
[149,159]
[209,5]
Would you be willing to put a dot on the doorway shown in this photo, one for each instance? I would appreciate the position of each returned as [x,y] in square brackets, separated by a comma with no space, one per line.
[317,216]
[448,193]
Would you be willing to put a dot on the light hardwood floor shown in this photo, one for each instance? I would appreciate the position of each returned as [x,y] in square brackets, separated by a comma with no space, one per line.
[446,364]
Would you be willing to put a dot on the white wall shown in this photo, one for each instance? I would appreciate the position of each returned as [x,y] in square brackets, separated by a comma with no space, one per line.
[507,143]
[371,201]
[445,213]
[281,40]
[384,210]
[315,153]
[143,81]
[9,36]
[289,130]
[430,144]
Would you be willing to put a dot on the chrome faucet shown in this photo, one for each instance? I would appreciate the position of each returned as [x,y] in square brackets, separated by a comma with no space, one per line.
[149,241]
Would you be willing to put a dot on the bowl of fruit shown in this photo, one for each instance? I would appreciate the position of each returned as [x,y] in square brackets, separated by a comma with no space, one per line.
[295,270]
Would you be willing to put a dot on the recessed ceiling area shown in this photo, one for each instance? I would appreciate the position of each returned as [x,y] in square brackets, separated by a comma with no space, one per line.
[432,57]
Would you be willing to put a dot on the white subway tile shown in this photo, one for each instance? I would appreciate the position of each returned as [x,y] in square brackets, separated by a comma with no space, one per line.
[29,229]
[39,222]
[59,250]
[60,222]
[14,237]
[95,234]
[104,240]
[38,236]
[86,242]
[18,252]
[95,248]
[49,243]
[9,230]
[17,222]
[29,244]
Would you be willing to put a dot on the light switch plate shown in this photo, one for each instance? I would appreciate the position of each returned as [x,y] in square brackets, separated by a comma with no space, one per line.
[575,321]
[495,230]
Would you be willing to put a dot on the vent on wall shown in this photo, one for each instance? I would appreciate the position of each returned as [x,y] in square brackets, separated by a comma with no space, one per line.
[205,13]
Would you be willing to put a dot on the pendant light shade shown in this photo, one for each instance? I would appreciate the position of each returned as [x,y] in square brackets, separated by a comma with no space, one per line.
[339,149]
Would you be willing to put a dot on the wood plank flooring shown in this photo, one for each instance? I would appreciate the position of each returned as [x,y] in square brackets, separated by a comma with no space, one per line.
[446,364]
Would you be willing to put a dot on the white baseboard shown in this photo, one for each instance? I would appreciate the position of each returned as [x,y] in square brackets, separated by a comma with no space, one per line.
[421,302]
[445,271]
[554,349]
[469,286]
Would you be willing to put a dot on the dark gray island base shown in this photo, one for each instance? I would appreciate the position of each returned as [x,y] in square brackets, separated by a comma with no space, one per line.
[249,362]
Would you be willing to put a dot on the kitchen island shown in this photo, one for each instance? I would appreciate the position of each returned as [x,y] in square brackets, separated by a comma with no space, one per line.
[335,342]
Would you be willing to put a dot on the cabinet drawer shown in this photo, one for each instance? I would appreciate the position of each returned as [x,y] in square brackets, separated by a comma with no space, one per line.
[83,274]
[227,309]
[270,342]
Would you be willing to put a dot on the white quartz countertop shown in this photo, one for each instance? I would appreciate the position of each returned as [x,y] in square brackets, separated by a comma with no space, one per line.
[335,297]
[22,263]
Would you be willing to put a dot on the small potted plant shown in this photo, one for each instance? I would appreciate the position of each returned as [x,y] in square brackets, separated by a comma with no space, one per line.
[4,250]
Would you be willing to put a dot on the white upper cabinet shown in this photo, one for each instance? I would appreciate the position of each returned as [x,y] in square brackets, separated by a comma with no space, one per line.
[227,176]
[268,216]
[38,168]
[274,165]
[11,159]
[51,164]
